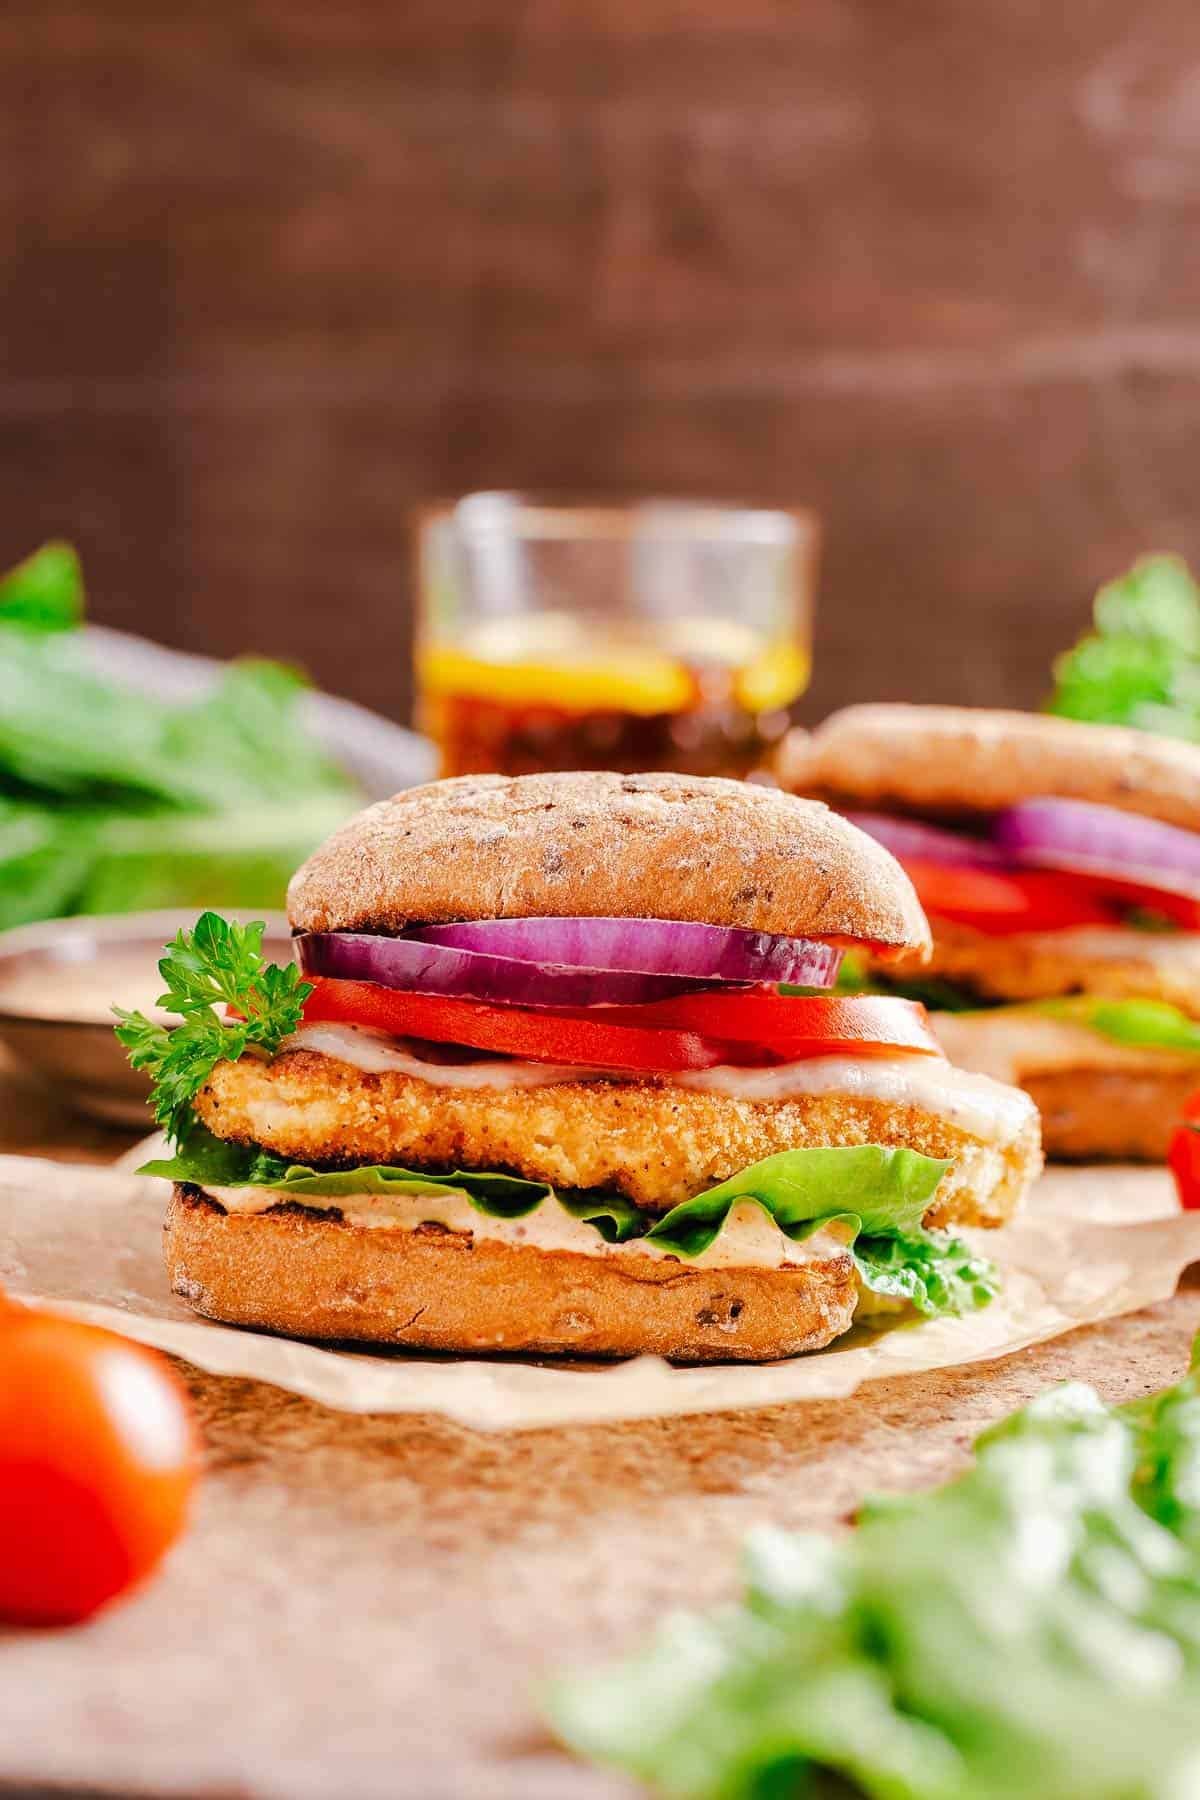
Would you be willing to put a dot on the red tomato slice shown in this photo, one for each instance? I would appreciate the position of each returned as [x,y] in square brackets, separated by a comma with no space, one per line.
[1181,910]
[540,1036]
[785,1023]
[696,1032]
[1003,902]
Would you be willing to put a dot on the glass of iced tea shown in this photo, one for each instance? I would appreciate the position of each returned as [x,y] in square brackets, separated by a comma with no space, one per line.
[662,634]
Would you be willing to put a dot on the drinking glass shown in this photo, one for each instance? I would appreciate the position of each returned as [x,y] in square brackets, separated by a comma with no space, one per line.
[660,634]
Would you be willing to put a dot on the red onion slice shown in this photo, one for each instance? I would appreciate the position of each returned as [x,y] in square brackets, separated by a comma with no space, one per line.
[913,841]
[424,968]
[660,947]
[1087,839]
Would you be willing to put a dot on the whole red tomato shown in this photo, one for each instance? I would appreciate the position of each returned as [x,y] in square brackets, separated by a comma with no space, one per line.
[98,1458]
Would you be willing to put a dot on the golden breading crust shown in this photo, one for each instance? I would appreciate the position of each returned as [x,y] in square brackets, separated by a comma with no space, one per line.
[1117,1115]
[1024,967]
[312,1276]
[602,845]
[653,1141]
[959,759]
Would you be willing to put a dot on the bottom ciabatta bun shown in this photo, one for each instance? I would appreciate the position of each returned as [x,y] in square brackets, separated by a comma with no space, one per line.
[1111,1115]
[313,1276]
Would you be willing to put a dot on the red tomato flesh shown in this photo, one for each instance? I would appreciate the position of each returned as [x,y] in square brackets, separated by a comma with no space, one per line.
[696,1032]
[540,1036]
[1178,908]
[1006,901]
[1003,902]
[775,1021]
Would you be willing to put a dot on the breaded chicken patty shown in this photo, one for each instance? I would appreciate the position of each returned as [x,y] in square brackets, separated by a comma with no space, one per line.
[1118,962]
[1117,1115]
[649,1138]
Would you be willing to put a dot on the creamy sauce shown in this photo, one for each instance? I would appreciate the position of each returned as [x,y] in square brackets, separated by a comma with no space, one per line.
[970,1101]
[1012,1046]
[84,991]
[749,1238]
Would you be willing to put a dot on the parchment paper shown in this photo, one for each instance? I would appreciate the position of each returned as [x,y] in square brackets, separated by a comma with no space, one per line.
[1093,1244]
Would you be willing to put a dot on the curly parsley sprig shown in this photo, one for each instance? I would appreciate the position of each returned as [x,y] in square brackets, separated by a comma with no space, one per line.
[217,964]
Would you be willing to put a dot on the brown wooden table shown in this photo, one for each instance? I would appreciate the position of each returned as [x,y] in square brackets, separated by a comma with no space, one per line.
[365,1606]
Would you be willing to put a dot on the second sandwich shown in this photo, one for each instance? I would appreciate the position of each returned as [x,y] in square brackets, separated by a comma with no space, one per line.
[1059,864]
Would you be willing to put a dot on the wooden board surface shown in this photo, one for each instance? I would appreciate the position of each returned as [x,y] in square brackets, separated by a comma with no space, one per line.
[365,1606]
[274,274]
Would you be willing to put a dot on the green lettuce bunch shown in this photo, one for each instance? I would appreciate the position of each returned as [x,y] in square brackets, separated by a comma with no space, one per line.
[1140,665]
[112,801]
[1029,1632]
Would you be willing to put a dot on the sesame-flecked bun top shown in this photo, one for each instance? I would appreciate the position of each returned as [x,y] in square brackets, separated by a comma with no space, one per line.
[599,845]
[958,759]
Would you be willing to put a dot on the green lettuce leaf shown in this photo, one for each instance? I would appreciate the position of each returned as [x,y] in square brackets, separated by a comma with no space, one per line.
[937,1274]
[177,861]
[873,1189]
[112,801]
[45,592]
[614,1217]
[1141,664]
[1031,1631]
[878,1197]
[1156,601]
[209,1161]
[856,976]
[1145,1024]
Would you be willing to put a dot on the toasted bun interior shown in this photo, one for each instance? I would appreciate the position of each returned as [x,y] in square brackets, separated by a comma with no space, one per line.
[605,845]
[313,1276]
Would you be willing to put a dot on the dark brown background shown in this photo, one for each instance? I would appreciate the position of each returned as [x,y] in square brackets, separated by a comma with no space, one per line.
[271,272]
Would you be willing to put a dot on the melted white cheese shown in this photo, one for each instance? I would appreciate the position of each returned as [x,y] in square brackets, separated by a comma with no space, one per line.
[378,1054]
[974,1103]
[1014,1045]
[748,1238]
[1170,950]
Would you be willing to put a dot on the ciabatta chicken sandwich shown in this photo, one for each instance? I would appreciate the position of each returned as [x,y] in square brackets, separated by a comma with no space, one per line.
[560,1069]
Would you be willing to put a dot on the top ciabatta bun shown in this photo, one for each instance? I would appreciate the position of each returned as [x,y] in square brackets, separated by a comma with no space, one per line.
[607,846]
[957,759]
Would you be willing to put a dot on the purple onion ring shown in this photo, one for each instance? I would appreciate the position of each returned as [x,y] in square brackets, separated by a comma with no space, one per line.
[424,963]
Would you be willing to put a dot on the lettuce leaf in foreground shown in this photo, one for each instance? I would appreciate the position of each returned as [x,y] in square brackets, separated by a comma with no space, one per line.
[877,1196]
[1030,1630]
